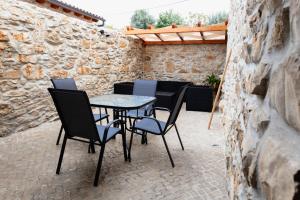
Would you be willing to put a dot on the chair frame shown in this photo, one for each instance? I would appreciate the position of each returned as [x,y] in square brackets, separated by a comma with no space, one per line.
[144,139]
[170,124]
[61,127]
[91,142]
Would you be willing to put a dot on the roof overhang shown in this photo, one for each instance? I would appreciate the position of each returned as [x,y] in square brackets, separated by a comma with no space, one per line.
[67,8]
[212,34]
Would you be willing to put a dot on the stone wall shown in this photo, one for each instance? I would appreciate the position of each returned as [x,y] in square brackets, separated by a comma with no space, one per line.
[37,44]
[261,100]
[183,62]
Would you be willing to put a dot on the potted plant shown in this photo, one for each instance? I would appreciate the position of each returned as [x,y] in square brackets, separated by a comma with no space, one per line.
[213,81]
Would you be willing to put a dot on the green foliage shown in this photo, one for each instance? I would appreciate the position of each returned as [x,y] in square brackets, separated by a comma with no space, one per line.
[141,18]
[213,80]
[216,18]
[168,18]
[194,18]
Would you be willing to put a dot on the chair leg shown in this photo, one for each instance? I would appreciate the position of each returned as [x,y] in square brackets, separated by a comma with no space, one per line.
[124,143]
[92,147]
[143,138]
[59,135]
[107,120]
[154,114]
[130,123]
[130,144]
[179,137]
[168,150]
[62,151]
[146,138]
[99,165]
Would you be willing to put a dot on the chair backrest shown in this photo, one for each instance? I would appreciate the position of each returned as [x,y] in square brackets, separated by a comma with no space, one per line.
[75,113]
[175,111]
[144,88]
[65,84]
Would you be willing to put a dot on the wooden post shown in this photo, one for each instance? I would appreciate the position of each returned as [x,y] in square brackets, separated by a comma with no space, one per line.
[219,90]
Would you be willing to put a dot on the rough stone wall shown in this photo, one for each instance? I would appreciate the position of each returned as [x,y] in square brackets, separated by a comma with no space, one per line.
[261,100]
[183,62]
[37,44]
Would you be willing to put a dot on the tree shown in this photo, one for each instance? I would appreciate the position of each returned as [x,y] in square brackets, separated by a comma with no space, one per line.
[141,18]
[195,18]
[168,18]
[218,17]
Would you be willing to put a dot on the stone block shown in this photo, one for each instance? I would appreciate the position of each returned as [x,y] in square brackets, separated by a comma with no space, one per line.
[86,44]
[84,70]
[19,37]
[260,79]
[123,43]
[59,73]
[170,67]
[5,109]
[27,58]
[147,67]
[32,72]
[39,48]
[10,74]
[3,37]
[3,46]
[53,38]
[278,160]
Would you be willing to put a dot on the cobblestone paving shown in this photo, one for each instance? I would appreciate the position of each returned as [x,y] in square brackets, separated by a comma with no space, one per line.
[28,161]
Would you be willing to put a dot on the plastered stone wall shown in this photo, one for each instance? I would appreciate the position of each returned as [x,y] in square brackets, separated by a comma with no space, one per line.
[261,101]
[37,44]
[183,62]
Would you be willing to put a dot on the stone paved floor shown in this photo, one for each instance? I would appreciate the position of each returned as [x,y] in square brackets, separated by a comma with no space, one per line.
[28,161]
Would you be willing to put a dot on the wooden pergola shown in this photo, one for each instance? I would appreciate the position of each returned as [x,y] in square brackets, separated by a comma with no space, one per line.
[212,34]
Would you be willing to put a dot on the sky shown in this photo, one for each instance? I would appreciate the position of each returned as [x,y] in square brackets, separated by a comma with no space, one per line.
[118,12]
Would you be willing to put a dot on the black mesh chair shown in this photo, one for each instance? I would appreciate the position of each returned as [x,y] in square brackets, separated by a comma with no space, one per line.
[142,88]
[157,127]
[75,113]
[69,84]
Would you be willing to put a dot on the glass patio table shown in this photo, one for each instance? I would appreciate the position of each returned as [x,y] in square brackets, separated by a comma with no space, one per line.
[120,103]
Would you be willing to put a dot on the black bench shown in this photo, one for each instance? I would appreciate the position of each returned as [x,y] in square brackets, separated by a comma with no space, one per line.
[166,94]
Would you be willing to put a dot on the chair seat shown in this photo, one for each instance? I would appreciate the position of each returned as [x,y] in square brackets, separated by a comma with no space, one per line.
[112,131]
[99,117]
[150,126]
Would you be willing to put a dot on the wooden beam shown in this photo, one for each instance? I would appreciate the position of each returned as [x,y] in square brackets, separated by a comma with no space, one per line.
[157,35]
[221,27]
[41,1]
[66,10]
[186,42]
[77,14]
[87,17]
[139,37]
[181,38]
[219,90]
[54,6]
[202,35]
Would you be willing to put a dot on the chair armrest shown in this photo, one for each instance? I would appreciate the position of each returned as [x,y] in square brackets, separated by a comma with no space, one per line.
[159,108]
[118,121]
[145,117]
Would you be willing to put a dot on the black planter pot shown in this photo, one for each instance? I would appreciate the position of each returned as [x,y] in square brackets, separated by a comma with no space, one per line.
[199,98]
